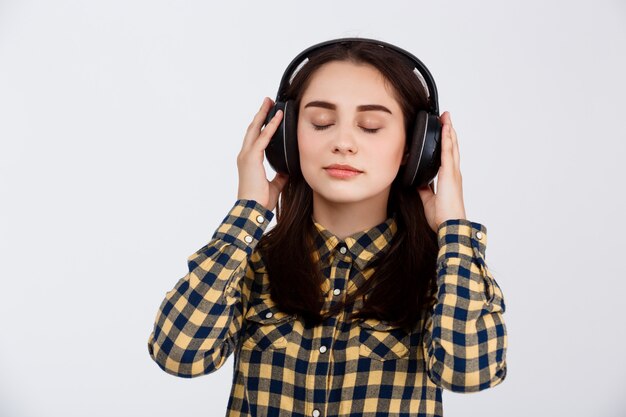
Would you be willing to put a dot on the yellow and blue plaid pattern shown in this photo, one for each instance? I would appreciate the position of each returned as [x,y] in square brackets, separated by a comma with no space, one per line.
[341,367]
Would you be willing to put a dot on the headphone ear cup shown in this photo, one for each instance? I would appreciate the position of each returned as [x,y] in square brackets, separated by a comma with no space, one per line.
[274,151]
[282,150]
[424,151]
[290,122]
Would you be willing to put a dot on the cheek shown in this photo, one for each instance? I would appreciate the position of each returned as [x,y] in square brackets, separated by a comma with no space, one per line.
[305,153]
[306,145]
[302,142]
[395,150]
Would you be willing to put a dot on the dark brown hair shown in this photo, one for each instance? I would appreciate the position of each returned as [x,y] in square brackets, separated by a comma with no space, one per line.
[403,282]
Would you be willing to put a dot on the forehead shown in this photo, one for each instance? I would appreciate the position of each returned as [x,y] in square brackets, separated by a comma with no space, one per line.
[349,83]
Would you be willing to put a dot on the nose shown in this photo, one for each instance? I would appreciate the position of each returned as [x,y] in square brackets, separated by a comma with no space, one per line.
[344,142]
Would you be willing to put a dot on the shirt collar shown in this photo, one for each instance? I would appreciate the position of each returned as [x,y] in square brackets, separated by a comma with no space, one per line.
[362,247]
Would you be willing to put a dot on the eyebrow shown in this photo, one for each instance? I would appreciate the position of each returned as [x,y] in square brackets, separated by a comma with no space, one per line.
[363,107]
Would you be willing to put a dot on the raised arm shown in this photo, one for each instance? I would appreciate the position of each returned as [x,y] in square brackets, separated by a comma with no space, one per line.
[465,337]
[198,324]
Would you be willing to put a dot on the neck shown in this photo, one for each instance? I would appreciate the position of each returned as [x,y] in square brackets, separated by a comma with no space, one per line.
[344,219]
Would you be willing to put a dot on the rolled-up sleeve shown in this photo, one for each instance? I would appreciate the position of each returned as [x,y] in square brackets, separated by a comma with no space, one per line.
[198,323]
[465,338]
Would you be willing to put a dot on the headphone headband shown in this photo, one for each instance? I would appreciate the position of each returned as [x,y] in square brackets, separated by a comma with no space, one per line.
[420,69]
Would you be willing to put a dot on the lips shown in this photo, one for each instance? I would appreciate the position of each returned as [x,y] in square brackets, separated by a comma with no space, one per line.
[341,171]
[343,167]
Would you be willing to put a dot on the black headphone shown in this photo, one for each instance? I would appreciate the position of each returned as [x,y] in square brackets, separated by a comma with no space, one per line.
[424,147]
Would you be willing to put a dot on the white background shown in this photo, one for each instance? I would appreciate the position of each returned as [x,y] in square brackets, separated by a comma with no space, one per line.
[120,123]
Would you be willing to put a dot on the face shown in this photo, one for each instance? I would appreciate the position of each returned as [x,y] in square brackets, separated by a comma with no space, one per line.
[348,115]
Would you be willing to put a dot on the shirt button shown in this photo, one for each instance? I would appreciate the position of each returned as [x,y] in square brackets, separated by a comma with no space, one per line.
[322,349]
[336,291]
[248,238]
[268,315]
[343,249]
[479,235]
[260,219]
[316,413]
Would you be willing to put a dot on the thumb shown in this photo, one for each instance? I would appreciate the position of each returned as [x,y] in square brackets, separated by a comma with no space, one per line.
[280,180]
[425,192]
[276,186]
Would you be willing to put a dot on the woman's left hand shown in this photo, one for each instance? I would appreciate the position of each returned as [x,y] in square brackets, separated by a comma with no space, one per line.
[448,202]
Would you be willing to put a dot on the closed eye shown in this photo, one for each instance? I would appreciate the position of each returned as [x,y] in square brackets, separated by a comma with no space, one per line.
[366,130]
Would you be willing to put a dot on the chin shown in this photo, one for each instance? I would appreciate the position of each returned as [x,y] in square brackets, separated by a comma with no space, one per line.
[345,195]
[346,191]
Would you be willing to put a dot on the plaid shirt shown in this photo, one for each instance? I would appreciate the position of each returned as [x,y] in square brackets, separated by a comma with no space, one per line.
[341,367]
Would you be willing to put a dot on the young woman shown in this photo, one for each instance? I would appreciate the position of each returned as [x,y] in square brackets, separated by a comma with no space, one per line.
[368,297]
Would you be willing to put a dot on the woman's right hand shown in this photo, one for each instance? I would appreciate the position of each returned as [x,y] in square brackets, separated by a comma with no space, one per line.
[253,183]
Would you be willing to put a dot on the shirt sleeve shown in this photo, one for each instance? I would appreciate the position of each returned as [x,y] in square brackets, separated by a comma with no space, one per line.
[465,338]
[198,323]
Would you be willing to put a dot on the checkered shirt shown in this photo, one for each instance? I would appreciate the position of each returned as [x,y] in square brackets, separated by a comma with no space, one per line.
[341,367]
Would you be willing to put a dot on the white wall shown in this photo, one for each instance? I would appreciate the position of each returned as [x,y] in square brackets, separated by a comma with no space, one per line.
[120,122]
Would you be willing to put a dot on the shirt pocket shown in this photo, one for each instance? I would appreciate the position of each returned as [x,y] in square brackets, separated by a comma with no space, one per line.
[382,341]
[266,327]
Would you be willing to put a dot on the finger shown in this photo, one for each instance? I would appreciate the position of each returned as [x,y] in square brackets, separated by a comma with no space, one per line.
[446,147]
[276,186]
[280,180]
[455,148]
[260,115]
[269,130]
[454,142]
[425,192]
[255,125]
[254,128]
[265,108]
[445,117]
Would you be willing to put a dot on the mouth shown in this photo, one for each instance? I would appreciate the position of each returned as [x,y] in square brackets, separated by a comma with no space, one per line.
[342,172]
[341,167]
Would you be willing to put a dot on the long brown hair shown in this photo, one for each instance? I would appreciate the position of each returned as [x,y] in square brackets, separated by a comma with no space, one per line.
[403,282]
